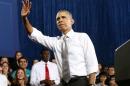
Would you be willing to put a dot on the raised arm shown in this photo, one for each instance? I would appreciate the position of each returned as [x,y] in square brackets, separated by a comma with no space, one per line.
[26,6]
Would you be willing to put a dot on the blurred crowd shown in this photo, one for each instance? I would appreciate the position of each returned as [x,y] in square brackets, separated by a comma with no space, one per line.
[18,74]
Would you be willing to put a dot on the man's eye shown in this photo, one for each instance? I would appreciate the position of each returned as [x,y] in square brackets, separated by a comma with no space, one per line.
[63,17]
[58,18]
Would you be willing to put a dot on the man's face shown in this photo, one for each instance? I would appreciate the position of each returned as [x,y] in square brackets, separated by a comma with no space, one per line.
[45,55]
[64,21]
[23,63]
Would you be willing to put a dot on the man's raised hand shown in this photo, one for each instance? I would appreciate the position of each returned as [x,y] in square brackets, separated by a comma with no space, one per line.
[26,6]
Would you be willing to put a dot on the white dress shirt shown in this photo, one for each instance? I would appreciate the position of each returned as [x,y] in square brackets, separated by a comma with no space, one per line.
[38,73]
[81,52]
[3,80]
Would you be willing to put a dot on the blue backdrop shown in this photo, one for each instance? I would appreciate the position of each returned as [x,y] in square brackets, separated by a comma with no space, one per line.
[107,22]
[9,37]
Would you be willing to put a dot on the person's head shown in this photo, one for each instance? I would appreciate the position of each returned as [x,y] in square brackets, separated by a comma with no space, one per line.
[20,75]
[23,62]
[4,59]
[18,54]
[111,70]
[112,81]
[102,76]
[101,67]
[5,68]
[45,54]
[64,21]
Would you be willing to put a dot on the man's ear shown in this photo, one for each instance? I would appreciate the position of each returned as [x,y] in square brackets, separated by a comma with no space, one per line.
[72,20]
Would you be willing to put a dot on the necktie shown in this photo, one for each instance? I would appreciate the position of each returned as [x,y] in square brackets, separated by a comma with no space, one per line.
[47,72]
[65,63]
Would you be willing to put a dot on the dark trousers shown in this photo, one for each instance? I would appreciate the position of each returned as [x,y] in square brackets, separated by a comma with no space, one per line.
[75,81]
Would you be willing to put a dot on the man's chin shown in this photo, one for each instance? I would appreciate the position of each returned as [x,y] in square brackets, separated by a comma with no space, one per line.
[62,29]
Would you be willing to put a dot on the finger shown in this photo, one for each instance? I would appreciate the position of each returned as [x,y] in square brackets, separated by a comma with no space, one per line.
[30,5]
[23,3]
[28,2]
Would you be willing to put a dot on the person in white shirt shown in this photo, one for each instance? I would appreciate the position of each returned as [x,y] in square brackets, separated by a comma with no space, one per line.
[81,53]
[38,77]
[3,80]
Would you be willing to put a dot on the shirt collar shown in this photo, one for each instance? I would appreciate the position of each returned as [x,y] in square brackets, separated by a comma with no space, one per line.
[69,34]
[45,62]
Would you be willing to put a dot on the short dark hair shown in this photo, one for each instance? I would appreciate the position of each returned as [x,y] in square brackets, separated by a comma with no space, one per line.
[23,58]
[44,49]
[64,10]
[103,74]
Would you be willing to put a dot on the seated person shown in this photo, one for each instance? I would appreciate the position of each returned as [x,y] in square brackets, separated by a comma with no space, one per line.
[44,73]
[15,64]
[23,63]
[21,79]
[102,79]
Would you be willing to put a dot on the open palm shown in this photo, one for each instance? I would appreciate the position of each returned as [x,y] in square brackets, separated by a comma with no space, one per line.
[26,6]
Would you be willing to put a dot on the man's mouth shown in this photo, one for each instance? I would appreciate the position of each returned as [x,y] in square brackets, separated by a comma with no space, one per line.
[61,24]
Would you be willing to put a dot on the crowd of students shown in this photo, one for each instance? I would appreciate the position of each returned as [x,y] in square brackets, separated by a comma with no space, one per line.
[19,75]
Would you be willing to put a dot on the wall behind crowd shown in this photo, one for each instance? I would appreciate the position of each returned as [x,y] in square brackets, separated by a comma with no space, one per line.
[9,36]
[105,21]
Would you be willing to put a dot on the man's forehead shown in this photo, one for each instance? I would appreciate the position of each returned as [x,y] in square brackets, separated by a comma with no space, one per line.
[45,51]
[63,13]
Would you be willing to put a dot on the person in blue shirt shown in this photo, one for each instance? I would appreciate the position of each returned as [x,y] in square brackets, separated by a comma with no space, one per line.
[23,63]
